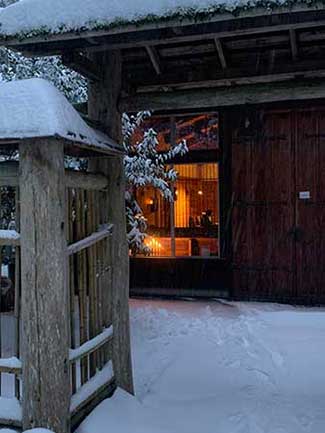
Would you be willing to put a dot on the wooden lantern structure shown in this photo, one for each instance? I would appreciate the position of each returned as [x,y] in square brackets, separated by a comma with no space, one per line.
[71,294]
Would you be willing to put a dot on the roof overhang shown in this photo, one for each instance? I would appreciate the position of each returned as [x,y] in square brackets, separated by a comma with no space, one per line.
[255,21]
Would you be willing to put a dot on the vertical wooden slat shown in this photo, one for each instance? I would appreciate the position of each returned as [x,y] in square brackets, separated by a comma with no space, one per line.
[82,281]
[103,102]
[98,299]
[70,223]
[0,314]
[92,278]
[17,291]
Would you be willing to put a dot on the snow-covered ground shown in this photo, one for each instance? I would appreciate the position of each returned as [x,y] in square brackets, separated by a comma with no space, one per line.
[221,368]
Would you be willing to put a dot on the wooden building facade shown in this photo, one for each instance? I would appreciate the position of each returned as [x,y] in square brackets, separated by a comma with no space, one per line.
[260,71]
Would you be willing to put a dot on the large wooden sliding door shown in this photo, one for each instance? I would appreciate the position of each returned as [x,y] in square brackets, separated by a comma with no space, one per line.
[310,212]
[278,204]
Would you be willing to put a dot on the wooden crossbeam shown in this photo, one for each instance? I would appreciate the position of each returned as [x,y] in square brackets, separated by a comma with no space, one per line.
[9,176]
[84,180]
[234,81]
[220,52]
[154,57]
[90,240]
[82,64]
[91,345]
[225,96]
[91,388]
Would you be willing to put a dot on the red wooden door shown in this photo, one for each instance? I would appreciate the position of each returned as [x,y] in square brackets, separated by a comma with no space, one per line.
[310,204]
[263,205]
[278,206]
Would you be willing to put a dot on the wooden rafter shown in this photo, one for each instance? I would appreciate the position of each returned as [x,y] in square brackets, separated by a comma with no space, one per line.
[221,54]
[154,58]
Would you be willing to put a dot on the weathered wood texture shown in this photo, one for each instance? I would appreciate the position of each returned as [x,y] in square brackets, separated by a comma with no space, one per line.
[84,180]
[9,172]
[103,107]
[44,303]
[277,238]
[90,240]
[224,97]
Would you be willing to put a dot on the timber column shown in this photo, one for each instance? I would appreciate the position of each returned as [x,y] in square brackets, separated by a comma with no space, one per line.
[103,107]
[44,299]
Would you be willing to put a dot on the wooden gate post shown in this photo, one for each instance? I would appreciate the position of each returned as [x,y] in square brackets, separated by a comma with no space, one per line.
[44,301]
[103,100]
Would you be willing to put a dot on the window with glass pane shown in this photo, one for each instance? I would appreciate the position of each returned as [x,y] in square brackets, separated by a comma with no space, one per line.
[188,227]
[196,210]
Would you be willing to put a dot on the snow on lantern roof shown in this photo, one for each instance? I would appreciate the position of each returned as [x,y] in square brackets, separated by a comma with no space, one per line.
[34,108]
[32,18]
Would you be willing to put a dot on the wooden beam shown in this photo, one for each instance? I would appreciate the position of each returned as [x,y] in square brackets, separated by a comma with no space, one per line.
[84,180]
[232,81]
[91,388]
[224,97]
[293,44]
[9,176]
[81,64]
[103,107]
[90,240]
[220,52]
[84,409]
[154,57]
[44,294]
[91,345]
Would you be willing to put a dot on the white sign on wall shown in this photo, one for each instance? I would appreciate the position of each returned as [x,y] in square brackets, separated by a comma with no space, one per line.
[304,195]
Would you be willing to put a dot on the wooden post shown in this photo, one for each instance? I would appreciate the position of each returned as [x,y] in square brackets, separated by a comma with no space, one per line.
[44,299]
[103,100]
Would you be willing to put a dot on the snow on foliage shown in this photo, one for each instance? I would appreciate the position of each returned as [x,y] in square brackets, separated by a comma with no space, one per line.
[145,166]
[30,18]
[14,66]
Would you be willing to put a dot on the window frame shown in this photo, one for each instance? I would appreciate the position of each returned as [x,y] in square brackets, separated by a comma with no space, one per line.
[194,157]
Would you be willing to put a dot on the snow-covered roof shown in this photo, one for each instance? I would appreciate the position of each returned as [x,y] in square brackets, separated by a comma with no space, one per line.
[31,18]
[35,108]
